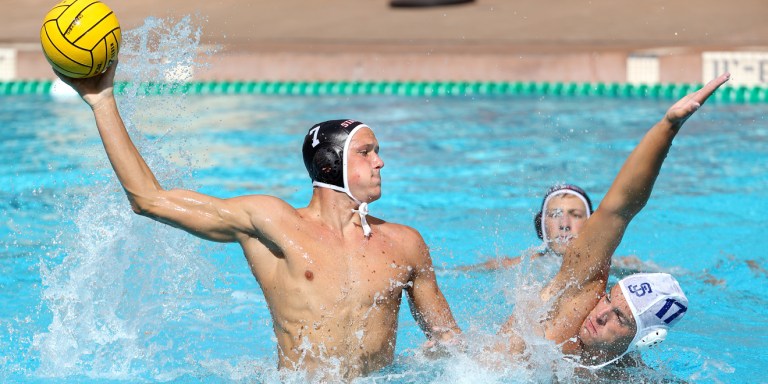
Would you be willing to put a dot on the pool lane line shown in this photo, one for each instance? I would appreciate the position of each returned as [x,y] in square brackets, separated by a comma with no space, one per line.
[740,94]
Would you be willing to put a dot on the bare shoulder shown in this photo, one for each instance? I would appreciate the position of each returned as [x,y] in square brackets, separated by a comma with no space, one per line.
[395,229]
[407,235]
[262,204]
[406,238]
[264,213]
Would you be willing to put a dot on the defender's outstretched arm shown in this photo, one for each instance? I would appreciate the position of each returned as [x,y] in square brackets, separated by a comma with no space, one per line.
[583,275]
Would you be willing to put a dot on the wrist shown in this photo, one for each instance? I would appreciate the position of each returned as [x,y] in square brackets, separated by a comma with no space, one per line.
[97,102]
[669,125]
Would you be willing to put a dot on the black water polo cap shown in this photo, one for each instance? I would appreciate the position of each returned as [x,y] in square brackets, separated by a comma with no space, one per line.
[323,150]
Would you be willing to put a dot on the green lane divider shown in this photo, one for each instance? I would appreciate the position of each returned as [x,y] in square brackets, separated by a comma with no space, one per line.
[39,87]
[741,94]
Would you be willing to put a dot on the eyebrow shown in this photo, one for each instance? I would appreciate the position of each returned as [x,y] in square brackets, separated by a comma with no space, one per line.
[367,144]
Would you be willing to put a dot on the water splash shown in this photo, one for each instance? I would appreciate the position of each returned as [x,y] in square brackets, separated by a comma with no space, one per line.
[121,283]
[164,50]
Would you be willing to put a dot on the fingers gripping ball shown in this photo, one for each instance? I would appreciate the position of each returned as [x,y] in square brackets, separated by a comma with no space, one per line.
[80,38]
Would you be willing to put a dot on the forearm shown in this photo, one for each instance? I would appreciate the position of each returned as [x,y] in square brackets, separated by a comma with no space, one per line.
[443,325]
[131,169]
[430,309]
[588,259]
[632,187]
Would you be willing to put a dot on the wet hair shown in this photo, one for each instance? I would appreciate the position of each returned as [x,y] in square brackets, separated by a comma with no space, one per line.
[557,190]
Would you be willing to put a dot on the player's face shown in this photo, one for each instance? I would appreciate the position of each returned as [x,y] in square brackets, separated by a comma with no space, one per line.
[364,166]
[609,327]
[563,217]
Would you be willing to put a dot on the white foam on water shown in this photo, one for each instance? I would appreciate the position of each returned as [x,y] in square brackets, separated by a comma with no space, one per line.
[480,359]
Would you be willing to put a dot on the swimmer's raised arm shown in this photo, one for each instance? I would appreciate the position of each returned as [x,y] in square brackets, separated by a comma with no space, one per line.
[584,272]
[204,216]
[632,187]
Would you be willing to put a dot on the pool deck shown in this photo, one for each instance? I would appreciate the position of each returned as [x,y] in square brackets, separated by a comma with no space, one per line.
[502,40]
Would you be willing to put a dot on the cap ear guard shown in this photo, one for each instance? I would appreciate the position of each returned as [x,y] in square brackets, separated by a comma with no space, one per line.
[326,165]
[323,151]
[537,225]
[651,339]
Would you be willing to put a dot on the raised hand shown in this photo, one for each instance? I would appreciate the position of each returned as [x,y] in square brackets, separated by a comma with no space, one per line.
[92,89]
[678,113]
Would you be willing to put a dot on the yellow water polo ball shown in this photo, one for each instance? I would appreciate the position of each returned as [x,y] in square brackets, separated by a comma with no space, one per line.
[80,38]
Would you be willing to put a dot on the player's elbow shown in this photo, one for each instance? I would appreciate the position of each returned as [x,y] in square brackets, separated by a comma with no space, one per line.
[144,205]
[140,207]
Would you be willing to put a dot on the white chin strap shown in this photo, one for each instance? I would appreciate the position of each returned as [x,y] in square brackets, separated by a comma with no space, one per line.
[362,208]
[648,340]
[601,365]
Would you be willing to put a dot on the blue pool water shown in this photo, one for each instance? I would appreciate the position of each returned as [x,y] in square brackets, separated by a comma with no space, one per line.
[91,292]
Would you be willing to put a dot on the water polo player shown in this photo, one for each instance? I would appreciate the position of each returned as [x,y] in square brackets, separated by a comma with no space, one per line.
[595,327]
[332,276]
[564,210]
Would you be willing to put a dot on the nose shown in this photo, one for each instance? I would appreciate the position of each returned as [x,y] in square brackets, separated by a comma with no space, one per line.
[565,222]
[378,162]
[602,316]
[600,319]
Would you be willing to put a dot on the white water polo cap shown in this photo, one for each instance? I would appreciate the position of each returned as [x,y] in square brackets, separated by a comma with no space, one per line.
[657,303]
[325,152]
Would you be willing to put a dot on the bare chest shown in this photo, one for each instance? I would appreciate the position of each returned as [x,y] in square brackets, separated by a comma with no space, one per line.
[322,273]
[358,276]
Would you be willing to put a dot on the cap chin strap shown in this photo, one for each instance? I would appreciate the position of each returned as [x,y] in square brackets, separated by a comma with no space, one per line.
[650,340]
[598,366]
[362,208]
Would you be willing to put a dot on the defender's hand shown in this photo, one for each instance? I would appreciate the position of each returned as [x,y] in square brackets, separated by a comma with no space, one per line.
[685,107]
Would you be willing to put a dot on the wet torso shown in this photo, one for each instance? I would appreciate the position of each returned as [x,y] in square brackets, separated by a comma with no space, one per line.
[334,301]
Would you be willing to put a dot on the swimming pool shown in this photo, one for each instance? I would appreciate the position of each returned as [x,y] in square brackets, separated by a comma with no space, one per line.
[89,292]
